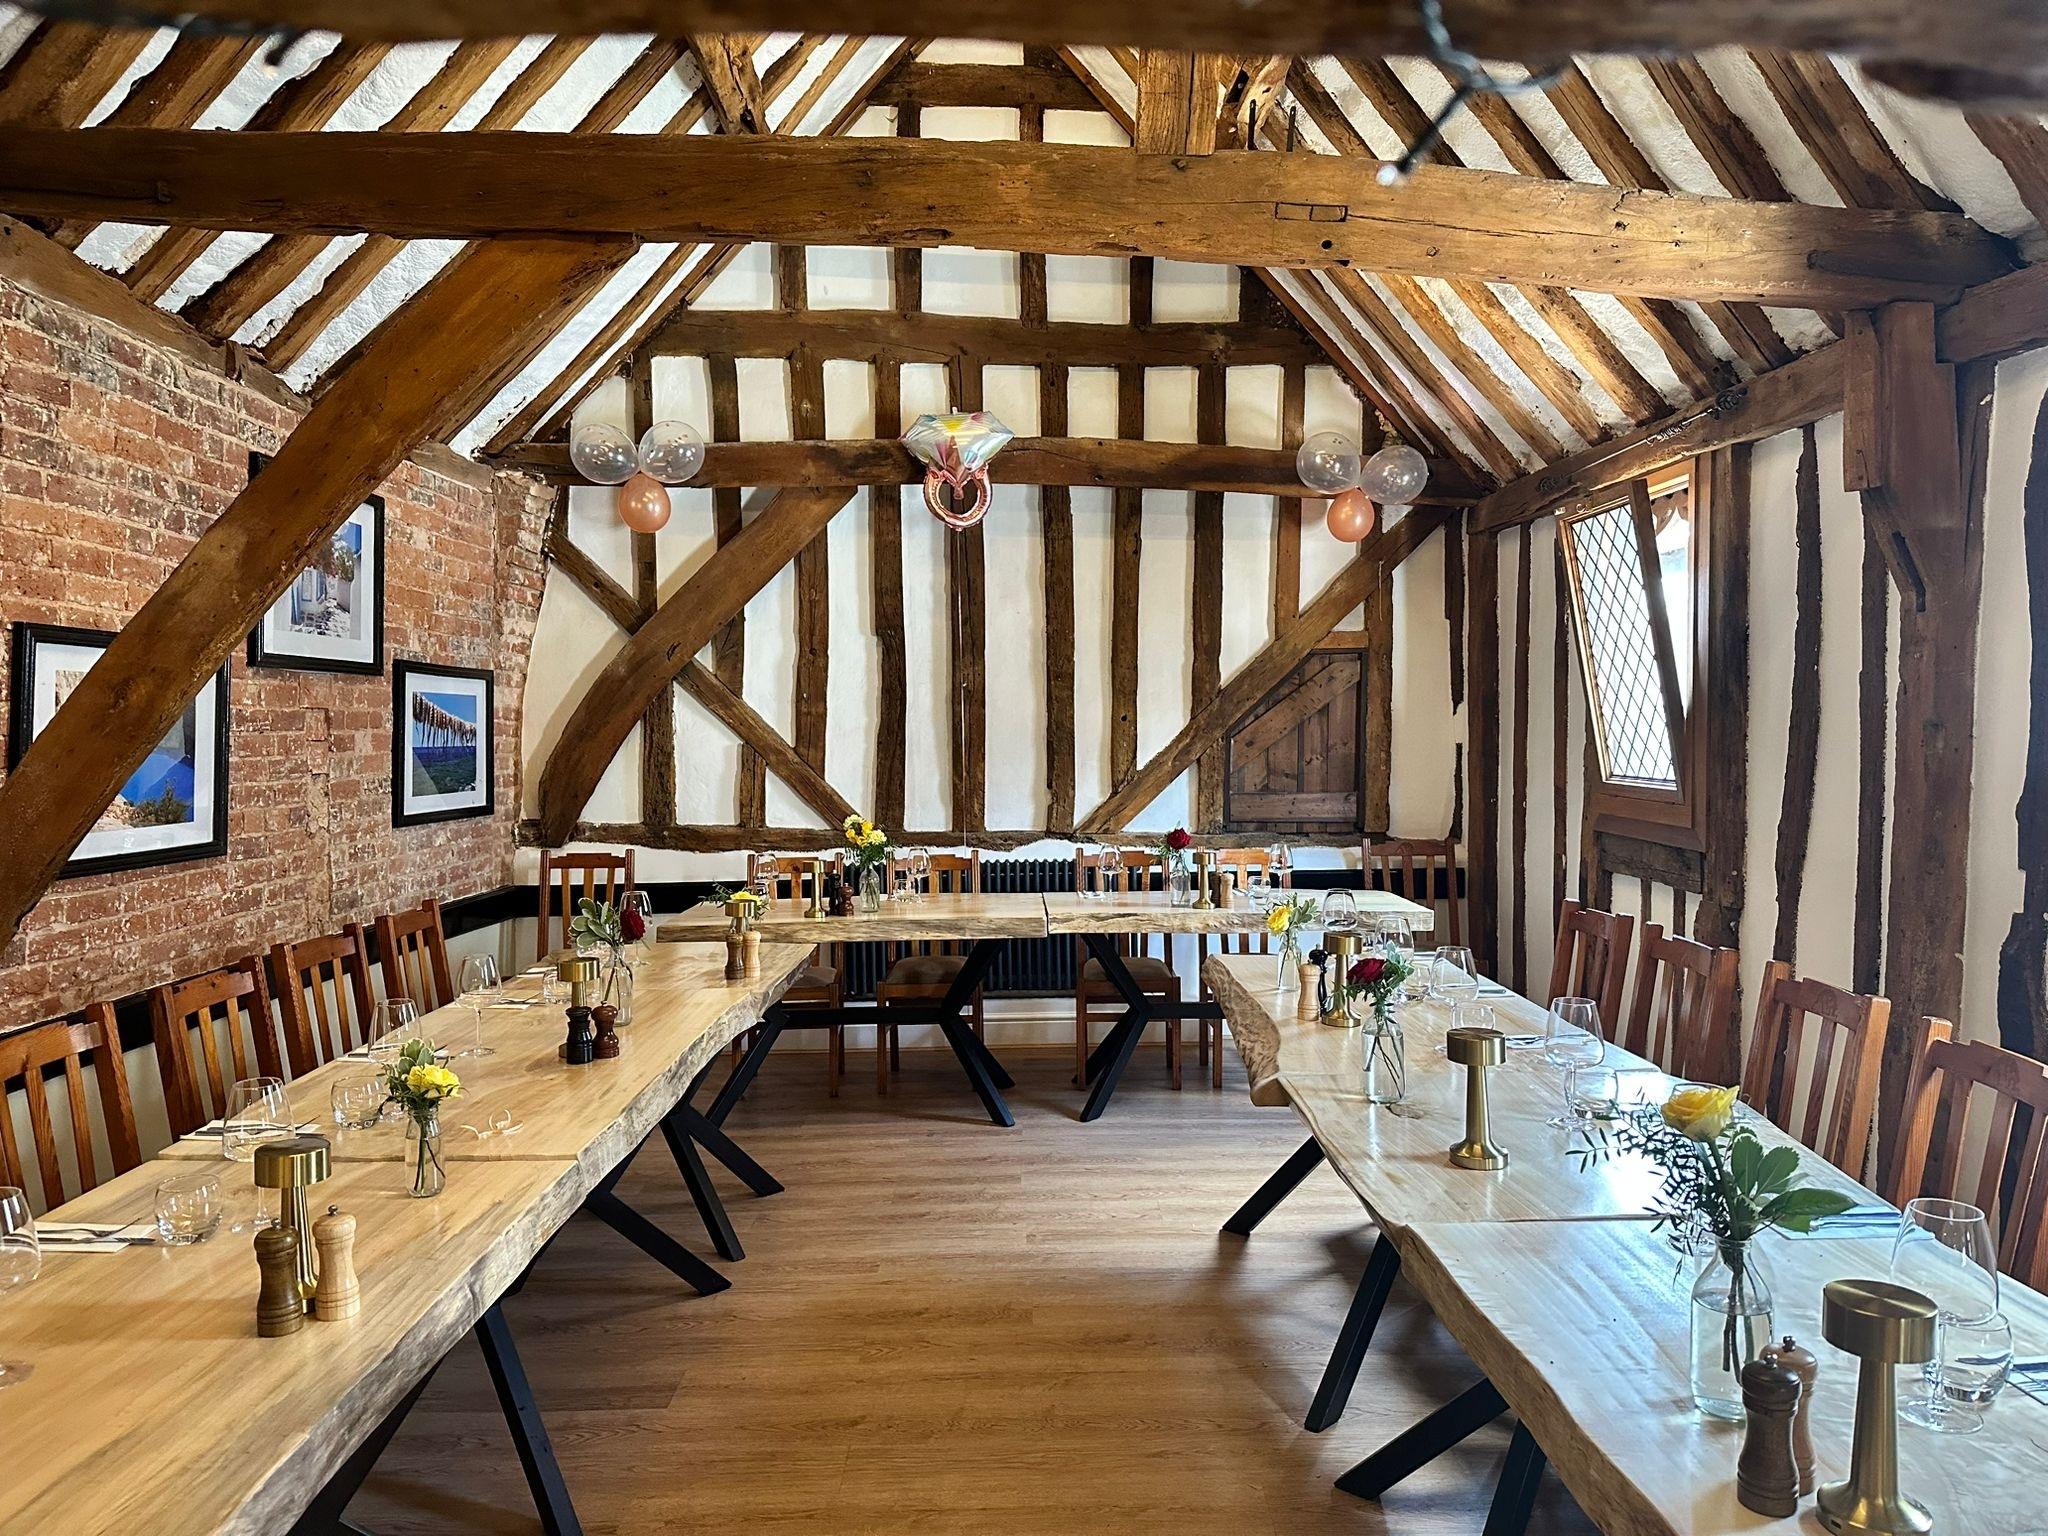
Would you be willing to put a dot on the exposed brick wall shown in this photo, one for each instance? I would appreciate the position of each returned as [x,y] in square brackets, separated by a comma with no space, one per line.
[114,457]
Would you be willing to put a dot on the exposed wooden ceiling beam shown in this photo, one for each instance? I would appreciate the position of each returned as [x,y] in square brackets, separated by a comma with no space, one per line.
[983,85]
[475,325]
[1265,209]
[1864,170]
[1980,46]
[64,69]
[1096,461]
[725,60]
[1996,320]
[1179,95]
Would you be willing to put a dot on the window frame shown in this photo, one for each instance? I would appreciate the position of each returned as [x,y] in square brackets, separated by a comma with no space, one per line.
[1666,814]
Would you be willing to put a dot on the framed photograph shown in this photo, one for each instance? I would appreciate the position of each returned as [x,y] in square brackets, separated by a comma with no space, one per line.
[175,806]
[332,617]
[441,720]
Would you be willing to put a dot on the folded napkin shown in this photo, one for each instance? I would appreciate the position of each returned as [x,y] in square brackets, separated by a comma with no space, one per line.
[515,1002]
[93,1237]
[2031,1377]
[1857,1221]
[214,1128]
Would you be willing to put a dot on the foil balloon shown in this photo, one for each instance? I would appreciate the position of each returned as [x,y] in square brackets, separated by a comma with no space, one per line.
[643,503]
[1396,473]
[1328,463]
[1351,516]
[955,449]
[671,451]
[602,453]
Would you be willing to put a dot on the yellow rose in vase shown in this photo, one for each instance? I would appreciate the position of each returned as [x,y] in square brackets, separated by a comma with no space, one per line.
[1700,1113]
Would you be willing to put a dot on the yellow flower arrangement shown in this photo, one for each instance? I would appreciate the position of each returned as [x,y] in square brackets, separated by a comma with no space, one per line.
[1278,920]
[433,1082]
[869,846]
[1700,1113]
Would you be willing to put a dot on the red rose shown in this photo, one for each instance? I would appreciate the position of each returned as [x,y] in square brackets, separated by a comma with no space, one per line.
[1178,840]
[632,925]
[1366,972]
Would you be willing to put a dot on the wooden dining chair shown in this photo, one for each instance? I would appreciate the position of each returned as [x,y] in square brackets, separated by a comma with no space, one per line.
[1136,870]
[1814,1058]
[1423,869]
[924,972]
[228,1013]
[1973,1107]
[322,988]
[821,983]
[1683,1013]
[1240,863]
[25,1060]
[568,878]
[1592,958]
[412,951]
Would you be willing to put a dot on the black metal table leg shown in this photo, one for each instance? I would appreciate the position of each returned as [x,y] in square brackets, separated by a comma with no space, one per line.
[696,1125]
[981,955]
[703,1194]
[750,1065]
[960,1036]
[1514,1496]
[529,1434]
[1416,1447]
[1115,1053]
[323,1517]
[1302,1162]
[643,1234]
[1355,1337]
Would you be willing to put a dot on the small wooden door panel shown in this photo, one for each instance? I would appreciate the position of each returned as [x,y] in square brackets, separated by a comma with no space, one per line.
[1293,761]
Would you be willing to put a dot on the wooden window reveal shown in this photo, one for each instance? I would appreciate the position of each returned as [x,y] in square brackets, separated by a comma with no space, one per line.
[1636,575]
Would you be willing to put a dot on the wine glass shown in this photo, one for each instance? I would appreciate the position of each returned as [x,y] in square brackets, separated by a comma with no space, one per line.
[1340,911]
[920,872]
[1944,1250]
[642,906]
[1399,942]
[189,1207]
[1279,861]
[1456,977]
[1572,1042]
[1257,894]
[256,1113]
[480,987]
[21,1260]
[391,1021]
[1109,864]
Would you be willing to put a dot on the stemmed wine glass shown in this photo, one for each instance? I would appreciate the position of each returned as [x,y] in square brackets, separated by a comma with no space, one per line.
[641,905]
[1109,864]
[391,1021]
[1340,911]
[1572,1042]
[1395,936]
[1279,860]
[1455,977]
[256,1112]
[920,872]
[1944,1250]
[21,1260]
[480,988]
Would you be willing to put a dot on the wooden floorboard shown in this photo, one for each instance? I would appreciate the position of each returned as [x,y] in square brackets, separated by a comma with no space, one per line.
[946,1327]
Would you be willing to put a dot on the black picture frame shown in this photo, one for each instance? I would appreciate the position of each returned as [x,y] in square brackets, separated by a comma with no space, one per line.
[28,642]
[405,809]
[263,654]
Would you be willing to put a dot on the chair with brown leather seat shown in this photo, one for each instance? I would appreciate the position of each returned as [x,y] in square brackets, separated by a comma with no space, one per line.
[821,983]
[925,972]
[568,878]
[1794,1077]
[1683,1014]
[1974,1109]
[322,988]
[227,1013]
[1239,863]
[1136,870]
[24,1058]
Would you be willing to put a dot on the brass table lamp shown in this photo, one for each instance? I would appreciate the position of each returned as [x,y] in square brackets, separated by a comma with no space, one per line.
[1343,947]
[1886,1326]
[1475,1050]
[292,1165]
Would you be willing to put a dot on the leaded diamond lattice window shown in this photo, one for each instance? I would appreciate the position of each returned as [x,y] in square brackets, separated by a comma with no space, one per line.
[1625,680]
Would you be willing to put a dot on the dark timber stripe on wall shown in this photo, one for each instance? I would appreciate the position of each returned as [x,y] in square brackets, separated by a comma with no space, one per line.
[813,567]
[1482,811]
[2022,985]
[1560,720]
[1206,602]
[1518,811]
[1127,539]
[1872,730]
[885,555]
[968,572]
[729,648]
[1802,743]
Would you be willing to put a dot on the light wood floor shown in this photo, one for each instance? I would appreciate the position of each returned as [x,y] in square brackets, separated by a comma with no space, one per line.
[946,1327]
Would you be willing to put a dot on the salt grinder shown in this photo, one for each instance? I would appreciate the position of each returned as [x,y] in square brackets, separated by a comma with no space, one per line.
[1801,1363]
[580,972]
[1475,1050]
[1310,979]
[1885,1326]
[340,1295]
[1766,1479]
[291,1165]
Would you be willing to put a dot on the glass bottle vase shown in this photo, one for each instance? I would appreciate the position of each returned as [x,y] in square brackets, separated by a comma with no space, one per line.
[1290,963]
[1179,889]
[871,888]
[1731,1323]
[618,986]
[1386,1062]
[423,1157]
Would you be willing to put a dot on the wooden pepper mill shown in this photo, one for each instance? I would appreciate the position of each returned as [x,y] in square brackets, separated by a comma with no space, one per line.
[1801,1363]
[339,1295]
[735,956]
[280,1305]
[1766,1479]
[606,1046]
[1306,1009]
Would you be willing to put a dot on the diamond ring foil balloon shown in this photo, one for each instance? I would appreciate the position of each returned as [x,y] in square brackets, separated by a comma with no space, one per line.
[955,449]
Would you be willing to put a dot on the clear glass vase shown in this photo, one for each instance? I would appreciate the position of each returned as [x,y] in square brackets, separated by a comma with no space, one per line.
[1290,963]
[423,1158]
[618,986]
[871,888]
[1180,890]
[1731,1323]
[1385,1053]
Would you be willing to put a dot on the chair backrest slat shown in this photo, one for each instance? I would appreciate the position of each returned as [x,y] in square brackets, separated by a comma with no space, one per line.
[413,952]
[569,878]
[1682,1015]
[26,1057]
[1795,1017]
[1592,958]
[1421,859]
[319,1027]
[234,1000]
[2009,1178]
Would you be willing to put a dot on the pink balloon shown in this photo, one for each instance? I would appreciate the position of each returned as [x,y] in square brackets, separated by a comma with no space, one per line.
[643,503]
[1351,516]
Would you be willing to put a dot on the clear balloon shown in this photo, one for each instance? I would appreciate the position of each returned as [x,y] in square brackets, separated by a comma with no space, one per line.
[643,504]
[1328,463]
[672,451]
[1396,473]
[1351,516]
[602,453]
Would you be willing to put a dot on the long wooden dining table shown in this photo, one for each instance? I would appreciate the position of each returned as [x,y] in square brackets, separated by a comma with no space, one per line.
[982,922]
[1555,1279]
[153,1406]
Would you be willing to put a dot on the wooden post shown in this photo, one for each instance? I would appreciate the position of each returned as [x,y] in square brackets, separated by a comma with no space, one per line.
[1482,735]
